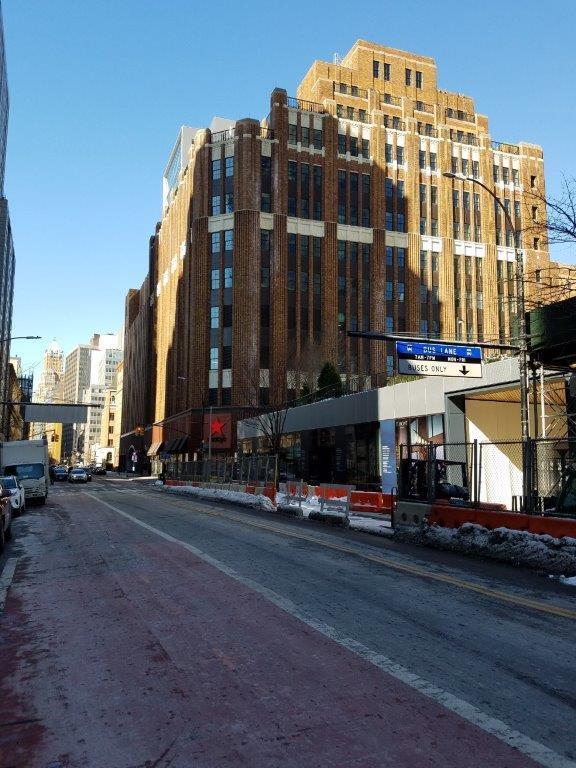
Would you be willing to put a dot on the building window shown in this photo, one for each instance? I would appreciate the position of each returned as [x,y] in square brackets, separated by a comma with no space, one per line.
[424,327]
[400,155]
[401,257]
[388,153]
[400,225]
[454,167]
[423,225]
[318,138]
[215,242]
[496,174]
[341,143]
[433,161]
[214,317]
[266,184]
[408,77]
[228,202]
[375,68]
[216,170]
[422,158]
[515,177]
[216,208]
[389,290]
[366,148]
[342,197]
[354,146]
[230,166]
[464,166]
[292,134]
[228,277]
[466,200]
[213,358]
[215,279]
[475,169]
[400,291]
[423,293]
[418,79]
[386,71]
[532,181]
[455,199]
[292,187]
[389,324]
[389,256]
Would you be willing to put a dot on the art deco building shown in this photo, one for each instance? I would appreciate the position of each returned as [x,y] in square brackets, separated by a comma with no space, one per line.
[332,214]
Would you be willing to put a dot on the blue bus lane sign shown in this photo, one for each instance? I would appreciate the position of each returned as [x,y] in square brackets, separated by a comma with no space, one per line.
[439,359]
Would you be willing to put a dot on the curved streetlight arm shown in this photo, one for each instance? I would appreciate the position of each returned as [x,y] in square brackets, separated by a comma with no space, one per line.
[523,356]
[13,338]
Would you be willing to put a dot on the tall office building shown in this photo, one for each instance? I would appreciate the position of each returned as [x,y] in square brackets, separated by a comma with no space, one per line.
[332,214]
[7,260]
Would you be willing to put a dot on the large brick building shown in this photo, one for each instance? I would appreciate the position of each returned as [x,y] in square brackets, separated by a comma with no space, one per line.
[332,214]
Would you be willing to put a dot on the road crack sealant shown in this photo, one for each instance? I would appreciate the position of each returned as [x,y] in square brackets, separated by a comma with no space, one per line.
[472,714]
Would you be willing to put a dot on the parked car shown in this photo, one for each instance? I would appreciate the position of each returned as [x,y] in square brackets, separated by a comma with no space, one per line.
[17,493]
[88,470]
[60,473]
[78,475]
[99,470]
[5,517]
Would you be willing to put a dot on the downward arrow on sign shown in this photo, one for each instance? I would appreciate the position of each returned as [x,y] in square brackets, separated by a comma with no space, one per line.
[464,370]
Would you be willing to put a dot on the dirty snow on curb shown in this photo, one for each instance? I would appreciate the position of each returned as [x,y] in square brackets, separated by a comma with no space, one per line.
[535,551]
[245,499]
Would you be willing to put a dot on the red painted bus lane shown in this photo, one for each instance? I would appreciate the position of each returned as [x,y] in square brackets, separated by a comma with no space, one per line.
[126,650]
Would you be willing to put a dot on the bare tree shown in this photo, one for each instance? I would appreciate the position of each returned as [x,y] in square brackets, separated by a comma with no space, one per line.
[559,226]
[269,419]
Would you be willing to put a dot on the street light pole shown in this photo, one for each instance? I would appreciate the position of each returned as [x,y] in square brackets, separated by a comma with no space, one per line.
[522,341]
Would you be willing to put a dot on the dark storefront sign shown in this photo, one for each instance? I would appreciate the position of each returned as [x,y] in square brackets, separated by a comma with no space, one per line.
[218,431]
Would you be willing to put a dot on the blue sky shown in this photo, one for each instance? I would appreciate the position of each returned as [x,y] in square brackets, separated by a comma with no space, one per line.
[99,88]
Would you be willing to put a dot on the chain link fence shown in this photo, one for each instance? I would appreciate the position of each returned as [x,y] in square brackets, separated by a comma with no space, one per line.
[488,474]
[248,470]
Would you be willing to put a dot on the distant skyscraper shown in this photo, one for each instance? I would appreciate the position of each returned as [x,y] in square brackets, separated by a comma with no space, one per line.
[7,262]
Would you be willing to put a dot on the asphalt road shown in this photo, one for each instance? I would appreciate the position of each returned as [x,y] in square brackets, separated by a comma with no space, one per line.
[143,630]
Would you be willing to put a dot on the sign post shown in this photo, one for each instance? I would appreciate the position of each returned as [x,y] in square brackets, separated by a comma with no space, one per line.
[439,359]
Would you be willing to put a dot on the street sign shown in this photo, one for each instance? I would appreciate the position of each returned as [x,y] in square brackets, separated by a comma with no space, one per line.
[439,359]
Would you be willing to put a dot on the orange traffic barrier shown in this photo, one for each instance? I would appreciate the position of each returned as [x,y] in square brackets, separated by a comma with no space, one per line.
[453,517]
[366,501]
[329,492]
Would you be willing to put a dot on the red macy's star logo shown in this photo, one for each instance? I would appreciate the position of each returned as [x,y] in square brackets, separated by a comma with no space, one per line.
[218,428]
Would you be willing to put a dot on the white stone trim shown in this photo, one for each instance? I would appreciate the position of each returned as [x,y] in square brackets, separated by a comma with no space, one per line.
[223,221]
[309,227]
[354,234]
[397,239]
[468,248]
[433,244]
[266,221]
[504,253]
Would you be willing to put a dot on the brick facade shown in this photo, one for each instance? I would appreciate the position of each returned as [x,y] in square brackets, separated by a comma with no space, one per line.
[330,215]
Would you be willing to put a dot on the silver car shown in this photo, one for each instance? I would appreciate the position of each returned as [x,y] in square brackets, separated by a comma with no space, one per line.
[17,493]
[77,475]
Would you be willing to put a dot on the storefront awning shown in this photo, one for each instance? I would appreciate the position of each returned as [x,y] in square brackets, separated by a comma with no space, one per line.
[178,445]
[155,448]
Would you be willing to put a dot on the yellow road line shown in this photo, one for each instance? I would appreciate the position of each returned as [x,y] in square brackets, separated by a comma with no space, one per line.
[414,570]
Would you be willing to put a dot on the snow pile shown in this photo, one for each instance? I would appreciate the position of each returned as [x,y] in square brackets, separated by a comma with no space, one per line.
[371,525]
[245,499]
[521,547]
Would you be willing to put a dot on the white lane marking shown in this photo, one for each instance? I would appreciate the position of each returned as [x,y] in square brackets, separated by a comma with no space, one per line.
[513,738]
[6,580]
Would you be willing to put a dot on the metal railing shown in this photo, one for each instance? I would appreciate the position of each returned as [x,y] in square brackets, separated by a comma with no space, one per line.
[247,470]
[395,101]
[427,130]
[458,114]
[305,106]
[500,146]
[394,123]
[463,138]
[220,136]
[350,90]
[421,106]
[480,474]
